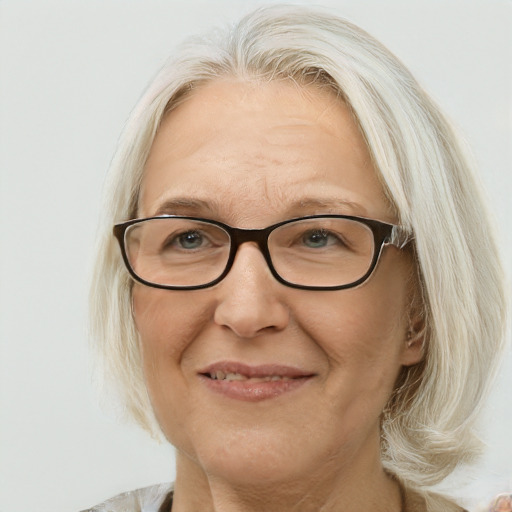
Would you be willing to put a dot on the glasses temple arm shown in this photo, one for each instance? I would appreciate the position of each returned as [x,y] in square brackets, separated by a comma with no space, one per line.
[400,237]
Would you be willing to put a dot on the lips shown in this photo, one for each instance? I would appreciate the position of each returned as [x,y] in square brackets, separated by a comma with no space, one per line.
[253,383]
[220,375]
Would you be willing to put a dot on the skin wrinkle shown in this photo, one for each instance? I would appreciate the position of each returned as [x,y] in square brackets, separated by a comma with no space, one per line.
[210,208]
[260,456]
[262,159]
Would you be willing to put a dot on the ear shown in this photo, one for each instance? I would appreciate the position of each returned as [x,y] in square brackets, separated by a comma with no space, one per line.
[414,341]
[415,336]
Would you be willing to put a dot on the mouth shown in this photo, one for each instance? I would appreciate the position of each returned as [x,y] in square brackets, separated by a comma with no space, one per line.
[253,383]
[220,375]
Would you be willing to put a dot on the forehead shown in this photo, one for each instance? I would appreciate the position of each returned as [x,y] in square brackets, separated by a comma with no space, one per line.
[264,144]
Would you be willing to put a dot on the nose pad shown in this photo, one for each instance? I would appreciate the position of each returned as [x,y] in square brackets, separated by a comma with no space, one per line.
[249,300]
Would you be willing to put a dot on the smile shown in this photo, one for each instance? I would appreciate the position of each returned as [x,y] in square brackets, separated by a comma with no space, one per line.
[220,375]
[253,383]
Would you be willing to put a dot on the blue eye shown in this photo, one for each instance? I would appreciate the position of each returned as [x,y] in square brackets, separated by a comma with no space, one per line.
[189,240]
[316,238]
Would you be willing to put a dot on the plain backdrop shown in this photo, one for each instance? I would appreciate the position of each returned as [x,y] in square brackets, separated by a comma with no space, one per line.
[70,72]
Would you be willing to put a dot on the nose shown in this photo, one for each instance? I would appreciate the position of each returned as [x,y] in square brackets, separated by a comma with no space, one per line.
[250,300]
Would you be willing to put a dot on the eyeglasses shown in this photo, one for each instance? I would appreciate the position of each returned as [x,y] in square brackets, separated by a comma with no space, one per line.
[318,252]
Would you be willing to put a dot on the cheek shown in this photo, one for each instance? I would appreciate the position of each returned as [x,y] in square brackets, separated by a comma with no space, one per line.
[167,321]
[361,328]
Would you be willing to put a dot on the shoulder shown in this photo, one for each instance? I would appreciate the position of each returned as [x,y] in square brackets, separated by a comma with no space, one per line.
[429,502]
[147,499]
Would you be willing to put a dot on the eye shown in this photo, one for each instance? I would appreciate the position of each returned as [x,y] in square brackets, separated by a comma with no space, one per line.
[187,240]
[318,238]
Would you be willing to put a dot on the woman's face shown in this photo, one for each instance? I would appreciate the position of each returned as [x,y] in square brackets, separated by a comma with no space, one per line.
[251,155]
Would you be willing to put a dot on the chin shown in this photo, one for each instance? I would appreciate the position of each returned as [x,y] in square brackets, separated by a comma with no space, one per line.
[251,457]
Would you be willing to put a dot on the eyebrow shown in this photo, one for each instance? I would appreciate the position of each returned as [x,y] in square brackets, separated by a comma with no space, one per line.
[328,204]
[185,205]
[195,206]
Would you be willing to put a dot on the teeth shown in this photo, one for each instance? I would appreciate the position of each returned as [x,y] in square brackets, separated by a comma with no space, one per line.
[220,375]
[235,376]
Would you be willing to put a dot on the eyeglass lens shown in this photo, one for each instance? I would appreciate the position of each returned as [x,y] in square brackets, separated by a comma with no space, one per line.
[307,252]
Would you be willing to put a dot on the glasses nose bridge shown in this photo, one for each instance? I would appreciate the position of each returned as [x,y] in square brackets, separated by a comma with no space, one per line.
[241,236]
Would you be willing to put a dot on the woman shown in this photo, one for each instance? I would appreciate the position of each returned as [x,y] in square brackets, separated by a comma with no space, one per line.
[310,306]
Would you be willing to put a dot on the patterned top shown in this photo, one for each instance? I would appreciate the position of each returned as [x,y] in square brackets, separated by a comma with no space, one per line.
[156,498]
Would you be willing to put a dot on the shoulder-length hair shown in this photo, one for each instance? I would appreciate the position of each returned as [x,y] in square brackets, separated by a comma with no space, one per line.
[428,425]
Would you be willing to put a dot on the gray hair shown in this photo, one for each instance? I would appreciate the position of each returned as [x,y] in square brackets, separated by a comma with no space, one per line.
[428,425]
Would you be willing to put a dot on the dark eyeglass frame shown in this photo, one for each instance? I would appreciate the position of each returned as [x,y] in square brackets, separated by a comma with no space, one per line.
[383,234]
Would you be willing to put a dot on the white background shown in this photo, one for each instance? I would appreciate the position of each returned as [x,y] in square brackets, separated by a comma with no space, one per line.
[70,72]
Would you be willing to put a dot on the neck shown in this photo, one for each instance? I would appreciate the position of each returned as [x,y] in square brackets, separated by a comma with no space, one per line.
[358,488]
